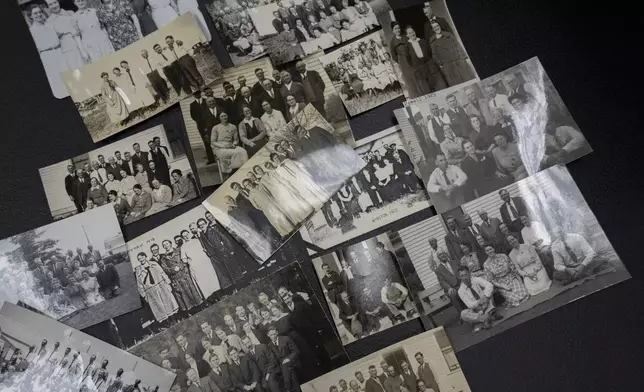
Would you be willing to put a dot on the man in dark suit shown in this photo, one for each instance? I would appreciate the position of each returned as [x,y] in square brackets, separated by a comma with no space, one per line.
[287,354]
[229,103]
[241,79]
[157,82]
[266,362]
[292,88]
[349,314]
[191,347]
[258,88]
[203,384]
[114,168]
[313,87]
[425,373]
[490,230]
[128,164]
[278,22]
[447,274]
[332,282]
[69,183]
[469,233]
[198,110]
[373,383]
[108,279]
[160,157]
[244,373]
[383,376]
[458,116]
[408,376]
[210,117]
[140,157]
[511,210]
[453,240]
[273,96]
[431,17]
[253,103]
[277,77]
[80,187]
[220,374]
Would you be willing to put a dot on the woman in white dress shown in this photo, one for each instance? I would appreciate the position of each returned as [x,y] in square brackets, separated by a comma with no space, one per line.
[298,209]
[91,295]
[293,173]
[192,6]
[162,11]
[94,38]
[127,186]
[48,45]
[264,202]
[368,82]
[203,272]
[66,28]
[529,266]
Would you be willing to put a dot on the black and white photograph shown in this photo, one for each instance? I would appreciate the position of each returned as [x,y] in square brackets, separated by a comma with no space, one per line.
[427,52]
[41,354]
[363,73]
[386,190]
[364,288]
[509,256]
[70,34]
[423,363]
[478,137]
[76,270]
[292,29]
[139,176]
[268,198]
[272,335]
[142,79]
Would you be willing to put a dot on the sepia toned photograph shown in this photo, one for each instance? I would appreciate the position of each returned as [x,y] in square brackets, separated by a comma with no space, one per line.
[143,79]
[139,176]
[427,52]
[272,335]
[268,198]
[386,190]
[364,289]
[76,270]
[290,30]
[475,138]
[41,354]
[422,363]
[363,73]
[507,257]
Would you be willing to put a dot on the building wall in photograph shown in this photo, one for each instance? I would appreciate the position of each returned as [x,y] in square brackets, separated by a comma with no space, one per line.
[415,239]
[53,180]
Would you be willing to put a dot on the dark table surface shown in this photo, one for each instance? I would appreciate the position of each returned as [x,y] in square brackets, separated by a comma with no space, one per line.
[594,344]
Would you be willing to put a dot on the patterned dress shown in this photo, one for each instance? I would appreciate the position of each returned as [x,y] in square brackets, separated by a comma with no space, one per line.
[471,261]
[118,23]
[500,270]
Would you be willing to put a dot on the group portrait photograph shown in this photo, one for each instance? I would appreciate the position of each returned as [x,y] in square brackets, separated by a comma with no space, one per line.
[364,288]
[423,363]
[363,73]
[293,29]
[142,79]
[138,176]
[270,336]
[75,270]
[268,198]
[509,256]
[387,189]
[426,50]
[40,354]
[475,138]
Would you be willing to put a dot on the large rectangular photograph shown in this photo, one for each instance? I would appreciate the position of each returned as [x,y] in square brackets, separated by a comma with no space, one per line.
[478,137]
[508,257]
[291,30]
[139,176]
[70,34]
[270,336]
[363,74]
[142,79]
[364,288]
[76,270]
[41,354]
[427,52]
[386,190]
[423,363]
[267,200]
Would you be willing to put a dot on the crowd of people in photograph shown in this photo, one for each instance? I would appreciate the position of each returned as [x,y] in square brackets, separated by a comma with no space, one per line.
[234,127]
[267,345]
[236,28]
[63,283]
[46,367]
[364,288]
[185,270]
[388,176]
[432,62]
[515,257]
[137,184]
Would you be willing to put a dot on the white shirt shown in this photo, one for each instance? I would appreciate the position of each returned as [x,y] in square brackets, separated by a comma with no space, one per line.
[95,174]
[417,49]
[441,119]
[383,292]
[500,101]
[579,246]
[455,175]
[114,186]
[293,110]
[288,86]
[274,122]
[482,287]
[511,204]
[535,232]
[214,111]
[176,52]
[162,62]
[433,256]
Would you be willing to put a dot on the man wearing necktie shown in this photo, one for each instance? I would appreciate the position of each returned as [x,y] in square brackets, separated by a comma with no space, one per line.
[460,120]
[287,354]
[478,106]
[204,384]
[158,83]
[408,376]
[313,87]
[431,17]
[199,112]
[247,99]
[511,210]
[445,185]
[186,64]
[80,188]
[138,85]
[170,68]
[476,294]
[453,239]
[425,373]
[266,363]
[154,287]
[489,228]
[244,373]
[373,383]
[469,233]
[574,258]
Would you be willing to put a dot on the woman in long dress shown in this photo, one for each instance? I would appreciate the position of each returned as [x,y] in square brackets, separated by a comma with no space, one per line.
[91,295]
[65,26]
[529,266]
[264,202]
[120,21]
[399,54]
[293,173]
[204,274]
[298,208]
[185,6]
[162,12]
[154,287]
[93,36]
[48,46]
[502,273]
[113,97]
[142,10]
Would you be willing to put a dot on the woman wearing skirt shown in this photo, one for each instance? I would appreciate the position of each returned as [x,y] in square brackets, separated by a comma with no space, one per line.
[399,54]
[113,97]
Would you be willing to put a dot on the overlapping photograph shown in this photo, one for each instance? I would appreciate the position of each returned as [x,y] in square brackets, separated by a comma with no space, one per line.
[267,200]
[478,137]
[387,189]
[142,79]
[76,270]
[41,354]
[139,176]
[507,257]
[272,335]
[423,363]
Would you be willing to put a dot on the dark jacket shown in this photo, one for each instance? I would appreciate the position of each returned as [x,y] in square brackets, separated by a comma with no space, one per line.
[313,86]
[417,62]
[246,373]
[265,359]
[108,277]
[143,159]
[506,214]
[296,90]
[286,348]
[447,279]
